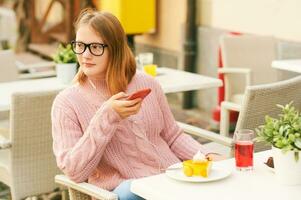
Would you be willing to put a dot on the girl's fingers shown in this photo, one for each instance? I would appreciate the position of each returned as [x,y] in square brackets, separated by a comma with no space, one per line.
[119,95]
[129,103]
[134,108]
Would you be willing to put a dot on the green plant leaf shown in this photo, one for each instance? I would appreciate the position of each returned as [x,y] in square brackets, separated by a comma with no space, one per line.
[282,132]
[64,55]
[292,138]
[281,129]
[298,143]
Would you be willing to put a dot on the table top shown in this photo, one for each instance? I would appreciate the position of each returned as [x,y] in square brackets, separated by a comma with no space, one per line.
[27,62]
[257,184]
[8,88]
[292,65]
[171,81]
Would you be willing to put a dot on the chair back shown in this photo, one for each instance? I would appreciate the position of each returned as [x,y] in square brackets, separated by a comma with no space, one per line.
[8,68]
[32,163]
[248,51]
[261,100]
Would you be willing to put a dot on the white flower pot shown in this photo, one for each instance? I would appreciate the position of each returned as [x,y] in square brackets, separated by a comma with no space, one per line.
[287,169]
[65,72]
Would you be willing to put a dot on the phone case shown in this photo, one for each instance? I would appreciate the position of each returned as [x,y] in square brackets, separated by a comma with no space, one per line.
[139,94]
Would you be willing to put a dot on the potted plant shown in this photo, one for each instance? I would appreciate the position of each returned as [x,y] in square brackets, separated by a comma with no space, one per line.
[66,63]
[284,134]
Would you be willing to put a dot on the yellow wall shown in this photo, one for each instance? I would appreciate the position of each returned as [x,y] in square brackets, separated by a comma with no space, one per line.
[136,16]
[280,18]
[171,15]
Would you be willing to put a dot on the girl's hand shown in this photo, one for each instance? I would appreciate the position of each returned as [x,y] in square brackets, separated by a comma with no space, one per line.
[123,107]
[215,156]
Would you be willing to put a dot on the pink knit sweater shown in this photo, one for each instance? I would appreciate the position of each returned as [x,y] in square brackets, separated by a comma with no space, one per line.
[91,142]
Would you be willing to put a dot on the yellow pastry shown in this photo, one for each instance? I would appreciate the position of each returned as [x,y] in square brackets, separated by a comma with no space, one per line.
[198,166]
[202,169]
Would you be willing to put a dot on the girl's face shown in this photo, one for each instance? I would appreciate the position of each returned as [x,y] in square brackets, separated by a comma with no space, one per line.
[94,67]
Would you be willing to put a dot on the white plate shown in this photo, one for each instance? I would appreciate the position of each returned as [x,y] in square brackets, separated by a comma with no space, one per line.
[216,173]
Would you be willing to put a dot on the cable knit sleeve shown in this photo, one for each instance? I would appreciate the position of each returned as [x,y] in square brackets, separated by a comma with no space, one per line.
[77,152]
[183,145]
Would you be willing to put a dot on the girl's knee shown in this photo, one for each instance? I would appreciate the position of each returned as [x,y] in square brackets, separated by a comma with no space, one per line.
[128,195]
[124,192]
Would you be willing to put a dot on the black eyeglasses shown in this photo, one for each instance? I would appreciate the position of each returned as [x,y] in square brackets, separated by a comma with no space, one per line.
[97,49]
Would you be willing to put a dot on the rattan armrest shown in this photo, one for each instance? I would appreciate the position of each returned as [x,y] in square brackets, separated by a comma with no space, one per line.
[199,132]
[86,188]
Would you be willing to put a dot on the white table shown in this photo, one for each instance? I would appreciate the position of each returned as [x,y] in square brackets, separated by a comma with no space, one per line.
[32,66]
[171,80]
[292,65]
[8,88]
[31,63]
[257,184]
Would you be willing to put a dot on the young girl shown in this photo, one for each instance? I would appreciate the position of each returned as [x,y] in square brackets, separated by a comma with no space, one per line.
[98,135]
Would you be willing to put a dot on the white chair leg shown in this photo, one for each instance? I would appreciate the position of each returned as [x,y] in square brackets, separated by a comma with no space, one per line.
[224,121]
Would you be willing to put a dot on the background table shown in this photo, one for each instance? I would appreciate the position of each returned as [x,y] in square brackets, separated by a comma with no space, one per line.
[257,184]
[8,88]
[171,80]
[288,65]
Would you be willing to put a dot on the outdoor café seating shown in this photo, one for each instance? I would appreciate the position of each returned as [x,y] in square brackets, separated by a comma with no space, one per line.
[259,101]
[84,191]
[72,126]
[246,61]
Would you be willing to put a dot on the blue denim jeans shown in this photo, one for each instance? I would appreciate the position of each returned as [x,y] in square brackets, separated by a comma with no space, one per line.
[124,193]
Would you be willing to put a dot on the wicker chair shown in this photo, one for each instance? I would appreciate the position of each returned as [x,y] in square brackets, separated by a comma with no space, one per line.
[246,61]
[84,191]
[261,100]
[27,163]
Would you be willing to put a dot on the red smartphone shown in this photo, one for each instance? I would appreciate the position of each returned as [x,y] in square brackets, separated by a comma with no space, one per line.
[139,94]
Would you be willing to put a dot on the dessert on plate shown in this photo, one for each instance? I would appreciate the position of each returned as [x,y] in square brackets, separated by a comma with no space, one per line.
[198,166]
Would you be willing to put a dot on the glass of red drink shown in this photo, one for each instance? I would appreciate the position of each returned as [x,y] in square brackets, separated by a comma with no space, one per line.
[244,149]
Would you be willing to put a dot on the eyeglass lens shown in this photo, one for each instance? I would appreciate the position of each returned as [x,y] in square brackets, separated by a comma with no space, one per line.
[96,49]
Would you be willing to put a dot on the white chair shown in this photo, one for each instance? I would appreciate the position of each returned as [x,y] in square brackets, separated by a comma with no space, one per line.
[27,163]
[8,72]
[8,68]
[8,27]
[246,61]
[84,191]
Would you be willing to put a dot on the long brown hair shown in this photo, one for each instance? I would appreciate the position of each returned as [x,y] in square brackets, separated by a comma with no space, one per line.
[121,65]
